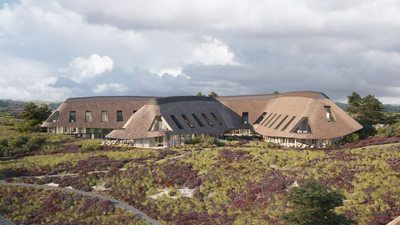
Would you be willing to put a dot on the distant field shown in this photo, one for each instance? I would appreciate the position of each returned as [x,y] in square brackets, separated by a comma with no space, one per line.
[239,183]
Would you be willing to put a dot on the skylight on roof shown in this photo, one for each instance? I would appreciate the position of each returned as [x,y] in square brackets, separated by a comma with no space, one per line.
[187,121]
[275,121]
[280,123]
[198,120]
[270,120]
[176,122]
[291,120]
[260,118]
[215,117]
[266,119]
[208,120]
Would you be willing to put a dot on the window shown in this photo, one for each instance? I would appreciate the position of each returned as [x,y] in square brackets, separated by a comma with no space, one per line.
[270,120]
[291,120]
[245,118]
[328,113]
[198,120]
[134,111]
[206,118]
[176,122]
[104,117]
[187,121]
[274,121]
[72,116]
[88,116]
[216,119]
[260,118]
[280,123]
[119,116]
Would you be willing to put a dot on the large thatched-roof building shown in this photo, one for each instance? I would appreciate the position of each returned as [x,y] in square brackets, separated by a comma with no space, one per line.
[292,119]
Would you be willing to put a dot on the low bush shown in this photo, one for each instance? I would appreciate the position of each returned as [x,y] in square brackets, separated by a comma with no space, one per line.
[37,139]
[19,141]
[212,141]
[196,140]
[87,147]
[390,131]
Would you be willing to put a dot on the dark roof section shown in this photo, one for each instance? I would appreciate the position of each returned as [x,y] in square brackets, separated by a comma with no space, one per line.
[305,94]
[160,101]
[108,98]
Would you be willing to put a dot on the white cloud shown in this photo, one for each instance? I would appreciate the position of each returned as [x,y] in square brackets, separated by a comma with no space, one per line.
[90,67]
[174,71]
[113,87]
[213,52]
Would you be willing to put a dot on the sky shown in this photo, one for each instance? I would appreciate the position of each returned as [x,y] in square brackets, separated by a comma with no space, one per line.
[54,50]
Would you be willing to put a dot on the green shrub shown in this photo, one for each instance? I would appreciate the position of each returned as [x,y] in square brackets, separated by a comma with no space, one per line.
[87,147]
[390,131]
[3,142]
[351,138]
[19,141]
[29,126]
[37,139]
[212,141]
[196,140]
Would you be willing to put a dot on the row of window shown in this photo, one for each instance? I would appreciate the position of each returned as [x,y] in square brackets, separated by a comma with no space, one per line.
[273,119]
[190,124]
[88,116]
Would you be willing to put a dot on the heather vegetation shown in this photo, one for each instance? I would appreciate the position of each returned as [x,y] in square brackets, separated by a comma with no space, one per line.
[24,205]
[245,181]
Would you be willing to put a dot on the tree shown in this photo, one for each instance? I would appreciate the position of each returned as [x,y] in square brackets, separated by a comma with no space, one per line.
[368,108]
[213,95]
[313,203]
[371,108]
[354,101]
[276,92]
[34,114]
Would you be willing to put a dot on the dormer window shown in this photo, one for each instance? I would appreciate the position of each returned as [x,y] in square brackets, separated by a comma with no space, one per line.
[245,118]
[328,114]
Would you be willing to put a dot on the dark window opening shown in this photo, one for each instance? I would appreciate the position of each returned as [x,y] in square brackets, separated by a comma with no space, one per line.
[198,120]
[270,120]
[275,121]
[304,126]
[72,117]
[291,120]
[119,116]
[134,111]
[245,118]
[260,118]
[280,123]
[206,118]
[187,121]
[266,119]
[176,122]
[218,121]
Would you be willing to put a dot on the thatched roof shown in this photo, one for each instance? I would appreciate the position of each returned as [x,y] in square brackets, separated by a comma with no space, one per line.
[139,124]
[283,112]
[126,104]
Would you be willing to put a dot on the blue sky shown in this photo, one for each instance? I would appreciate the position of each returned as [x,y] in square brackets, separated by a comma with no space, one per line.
[52,50]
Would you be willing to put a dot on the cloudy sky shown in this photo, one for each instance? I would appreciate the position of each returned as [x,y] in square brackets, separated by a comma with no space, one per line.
[52,50]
